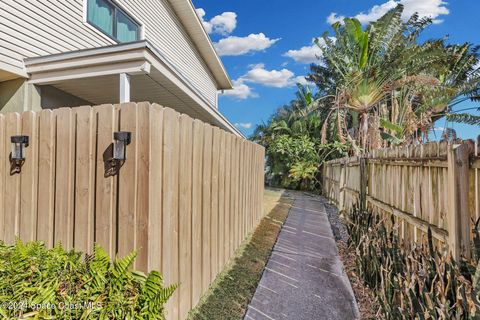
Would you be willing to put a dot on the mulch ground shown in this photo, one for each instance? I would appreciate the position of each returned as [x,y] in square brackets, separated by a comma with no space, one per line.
[363,294]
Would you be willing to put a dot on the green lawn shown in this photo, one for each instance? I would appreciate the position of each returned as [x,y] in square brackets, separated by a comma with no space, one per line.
[233,289]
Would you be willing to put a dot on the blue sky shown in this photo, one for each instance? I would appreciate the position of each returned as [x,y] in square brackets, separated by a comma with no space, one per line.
[266,46]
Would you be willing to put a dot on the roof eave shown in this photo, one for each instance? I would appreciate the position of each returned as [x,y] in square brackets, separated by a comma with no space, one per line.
[131,57]
[187,15]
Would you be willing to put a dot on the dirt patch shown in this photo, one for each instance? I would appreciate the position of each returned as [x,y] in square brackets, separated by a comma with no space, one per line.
[233,289]
[363,294]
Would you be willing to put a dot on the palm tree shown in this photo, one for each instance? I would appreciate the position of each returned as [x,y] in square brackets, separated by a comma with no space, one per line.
[388,88]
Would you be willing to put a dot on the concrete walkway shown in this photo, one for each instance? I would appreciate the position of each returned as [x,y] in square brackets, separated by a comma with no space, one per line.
[304,277]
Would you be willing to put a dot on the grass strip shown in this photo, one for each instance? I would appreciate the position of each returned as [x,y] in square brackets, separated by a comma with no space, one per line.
[233,289]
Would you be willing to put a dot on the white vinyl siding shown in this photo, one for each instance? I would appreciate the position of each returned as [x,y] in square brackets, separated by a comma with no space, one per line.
[166,33]
[30,28]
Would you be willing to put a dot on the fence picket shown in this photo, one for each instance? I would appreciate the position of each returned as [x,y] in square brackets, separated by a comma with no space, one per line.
[46,177]
[170,248]
[155,188]
[107,122]
[197,211]
[214,201]
[227,212]
[127,184]
[221,204]
[84,178]
[29,179]
[185,214]
[12,182]
[142,132]
[206,207]
[65,170]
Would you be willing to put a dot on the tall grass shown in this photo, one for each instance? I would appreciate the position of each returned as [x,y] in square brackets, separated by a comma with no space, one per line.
[417,281]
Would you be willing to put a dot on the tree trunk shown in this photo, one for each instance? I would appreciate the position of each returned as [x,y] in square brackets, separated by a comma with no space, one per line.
[363,130]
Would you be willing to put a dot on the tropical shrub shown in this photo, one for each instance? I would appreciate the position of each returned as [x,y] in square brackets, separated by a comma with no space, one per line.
[411,282]
[295,160]
[41,283]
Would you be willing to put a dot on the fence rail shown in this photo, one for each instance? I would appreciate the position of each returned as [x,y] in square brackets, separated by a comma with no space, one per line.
[434,185]
[185,198]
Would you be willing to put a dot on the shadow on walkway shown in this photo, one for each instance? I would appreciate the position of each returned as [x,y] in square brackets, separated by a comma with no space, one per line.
[304,277]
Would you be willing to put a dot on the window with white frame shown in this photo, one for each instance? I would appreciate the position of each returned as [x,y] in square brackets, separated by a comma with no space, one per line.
[112,20]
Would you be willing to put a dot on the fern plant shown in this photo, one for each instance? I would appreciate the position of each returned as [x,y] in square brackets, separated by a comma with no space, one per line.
[41,283]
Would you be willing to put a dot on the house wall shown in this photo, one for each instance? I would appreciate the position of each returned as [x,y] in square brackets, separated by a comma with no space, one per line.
[31,28]
[17,96]
[53,98]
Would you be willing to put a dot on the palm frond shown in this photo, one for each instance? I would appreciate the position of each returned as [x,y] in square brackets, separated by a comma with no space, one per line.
[463,118]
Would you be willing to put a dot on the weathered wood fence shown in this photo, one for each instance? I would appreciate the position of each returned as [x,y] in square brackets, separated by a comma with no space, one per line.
[185,198]
[435,185]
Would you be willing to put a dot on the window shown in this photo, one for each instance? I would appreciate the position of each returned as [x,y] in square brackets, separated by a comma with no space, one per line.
[113,21]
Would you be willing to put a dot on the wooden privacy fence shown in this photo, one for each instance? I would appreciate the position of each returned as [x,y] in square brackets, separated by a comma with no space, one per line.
[185,198]
[434,185]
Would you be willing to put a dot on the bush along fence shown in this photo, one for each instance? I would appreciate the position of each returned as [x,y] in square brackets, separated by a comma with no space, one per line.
[417,281]
[432,186]
[180,192]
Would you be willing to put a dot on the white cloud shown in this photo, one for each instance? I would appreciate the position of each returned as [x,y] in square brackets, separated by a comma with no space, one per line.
[243,125]
[307,54]
[333,17]
[376,12]
[222,24]
[301,80]
[476,65]
[236,46]
[269,78]
[201,14]
[259,75]
[240,91]
[425,8]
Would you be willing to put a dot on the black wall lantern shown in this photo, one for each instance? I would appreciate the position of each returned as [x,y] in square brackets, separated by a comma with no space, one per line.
[121,139]
[19,143]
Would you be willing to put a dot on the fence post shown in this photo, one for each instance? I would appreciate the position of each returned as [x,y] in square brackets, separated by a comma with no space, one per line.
[458,216]
[363,183]
[324,180]
[341,186]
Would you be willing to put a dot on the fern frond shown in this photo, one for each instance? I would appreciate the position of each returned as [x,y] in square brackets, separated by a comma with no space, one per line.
[121,266]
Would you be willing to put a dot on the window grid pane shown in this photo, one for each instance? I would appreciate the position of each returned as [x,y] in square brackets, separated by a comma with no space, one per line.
[111,20]
[100,14]
[127,30]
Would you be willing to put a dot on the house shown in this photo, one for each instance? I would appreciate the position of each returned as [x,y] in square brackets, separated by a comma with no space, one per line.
[90,52]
